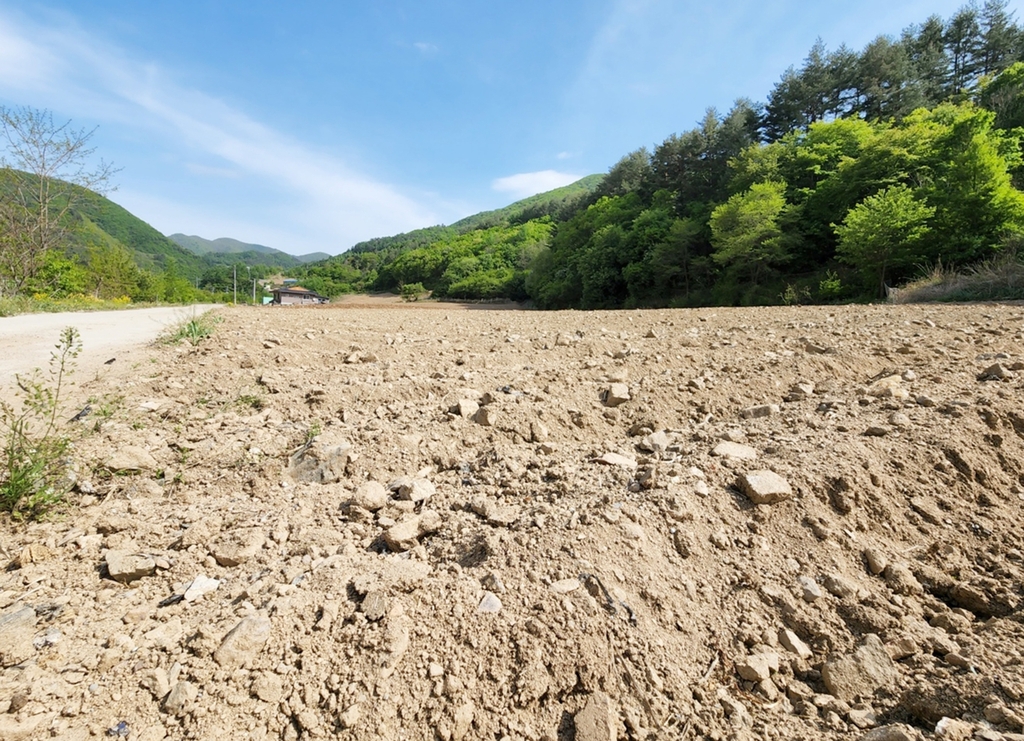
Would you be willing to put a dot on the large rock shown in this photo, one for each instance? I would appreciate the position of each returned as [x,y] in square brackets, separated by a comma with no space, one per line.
[241,645]
[597,721]
[765,487]
[16,630]
[861,673]
[370,495]
[128,567]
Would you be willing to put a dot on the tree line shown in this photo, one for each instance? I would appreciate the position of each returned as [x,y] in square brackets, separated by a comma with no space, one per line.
[858,169]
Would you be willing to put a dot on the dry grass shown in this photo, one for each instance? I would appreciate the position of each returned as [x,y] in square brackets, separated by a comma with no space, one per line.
[1000,278]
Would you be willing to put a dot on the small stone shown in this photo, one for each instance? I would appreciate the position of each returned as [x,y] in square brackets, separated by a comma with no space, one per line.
[953,729]
[861,673]
[181,698]
[242,644]
[760,411]
[764,487]
[809,589]
[489,604]
[757,667]
[899,419]
[350,718]
[791,642]
[467,408]
[876,431]
[840,586]
[128,567]
[415,490]
[616,459]
[486,417]
[901,579]
[375,605]
[995,372]
[463,720]
[130,458]
[895,732]
[863,717]
[370,495]
[33,553]
[876,560]
[200,586]
[155,680]
[564,586]
[597,721]
[616,394]
[734,451]
[268,687]
[16,631]
[925,401]
[237,546]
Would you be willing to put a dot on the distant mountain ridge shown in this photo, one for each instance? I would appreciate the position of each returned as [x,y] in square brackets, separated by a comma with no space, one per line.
[236,250]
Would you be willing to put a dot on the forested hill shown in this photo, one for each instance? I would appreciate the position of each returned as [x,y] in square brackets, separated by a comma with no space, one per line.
[226,251]
[859,167]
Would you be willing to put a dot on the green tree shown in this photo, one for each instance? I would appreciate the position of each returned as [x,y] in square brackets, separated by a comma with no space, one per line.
[745,231]
[883,233]
[113,273]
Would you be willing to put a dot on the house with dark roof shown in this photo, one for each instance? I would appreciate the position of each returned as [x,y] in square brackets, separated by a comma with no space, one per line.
[288,295]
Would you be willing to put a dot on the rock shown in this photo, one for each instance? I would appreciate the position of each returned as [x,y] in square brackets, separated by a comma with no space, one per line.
[565,586]
[901,579]
[268,687]
[33,553]
[616,394]
[241,645]
[370,495]
[764,487]
[489,603]
[809,589]
[928,510]
[156,681]
[616,459]
[494,513]
[413,489]
[467,408]
[734,710]
[405,535]
[839,586]
[237,546]
[180,698]
[890,387]
[791,642]
[351,717]
[375,605]
[734,451]
[463,720]
[486,417]
[876,431]
[863,717]
[995,372]
[323,461]
[16,630]
[130,458]
[875,560]
[895,732]
[200,586]
[757,667]
[127,567]
[760,411]
[860,674]
[656,442]
[13,728]
[597,721]
[952,729]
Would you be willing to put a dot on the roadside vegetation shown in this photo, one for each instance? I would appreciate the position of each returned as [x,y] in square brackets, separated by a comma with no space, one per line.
[192,330]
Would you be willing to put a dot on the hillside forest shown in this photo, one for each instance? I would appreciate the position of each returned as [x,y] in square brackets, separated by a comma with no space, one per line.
[859,170]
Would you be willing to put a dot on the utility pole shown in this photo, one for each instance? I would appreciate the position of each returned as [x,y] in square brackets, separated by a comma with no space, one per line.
[234,281]
[253,291]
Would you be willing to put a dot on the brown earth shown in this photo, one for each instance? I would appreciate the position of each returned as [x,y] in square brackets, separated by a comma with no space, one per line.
[418,524]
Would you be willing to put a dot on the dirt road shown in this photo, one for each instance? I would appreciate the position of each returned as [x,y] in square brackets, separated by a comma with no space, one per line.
[26,341]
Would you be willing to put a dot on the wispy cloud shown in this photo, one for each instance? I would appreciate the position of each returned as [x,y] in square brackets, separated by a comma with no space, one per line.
[325,202]
[425,48]
[525,184]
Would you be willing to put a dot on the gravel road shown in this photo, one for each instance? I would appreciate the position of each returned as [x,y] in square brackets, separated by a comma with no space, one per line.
[27,340]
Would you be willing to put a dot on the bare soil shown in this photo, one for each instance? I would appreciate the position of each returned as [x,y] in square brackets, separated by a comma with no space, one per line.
[408,523]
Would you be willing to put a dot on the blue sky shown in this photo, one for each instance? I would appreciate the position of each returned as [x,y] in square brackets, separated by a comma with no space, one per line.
[309,126]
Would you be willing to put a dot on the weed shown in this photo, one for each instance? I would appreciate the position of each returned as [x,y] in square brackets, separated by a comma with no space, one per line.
[35,474]
[252,401]
[314,430]
[193,330]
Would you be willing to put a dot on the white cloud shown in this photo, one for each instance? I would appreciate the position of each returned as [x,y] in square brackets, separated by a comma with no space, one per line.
[525,184]
[426,48]
[321,203]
